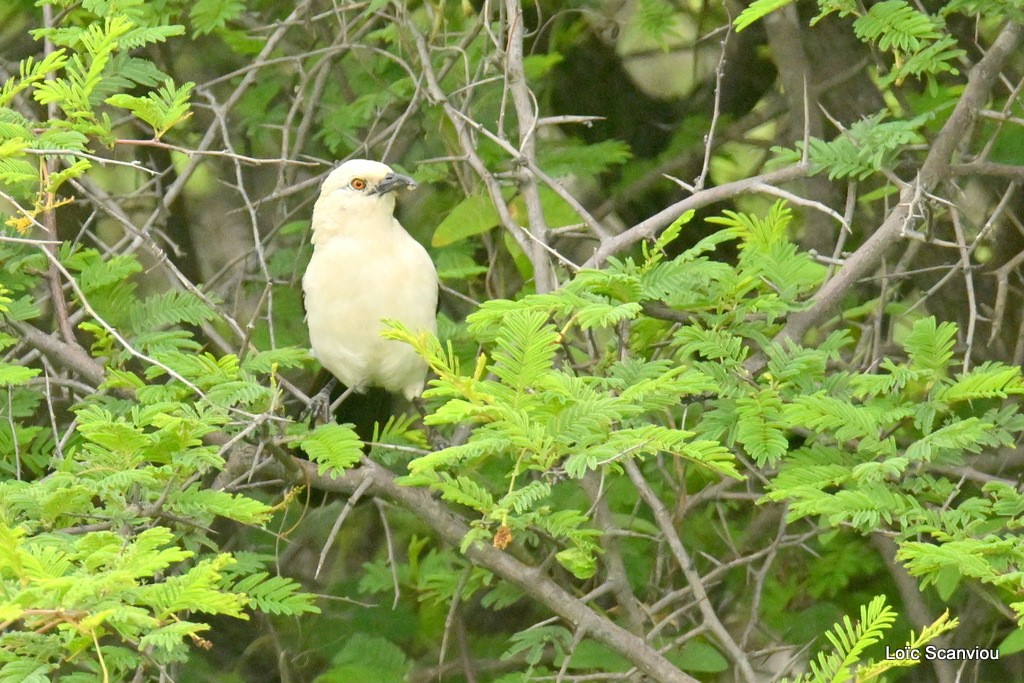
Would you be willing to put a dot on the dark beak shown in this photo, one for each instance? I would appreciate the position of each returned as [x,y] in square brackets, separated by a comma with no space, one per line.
[394,181]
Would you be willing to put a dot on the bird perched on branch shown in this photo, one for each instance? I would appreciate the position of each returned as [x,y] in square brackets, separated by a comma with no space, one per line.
[365,268]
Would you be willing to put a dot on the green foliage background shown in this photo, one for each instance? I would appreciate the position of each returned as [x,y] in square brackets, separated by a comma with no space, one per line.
[727,377]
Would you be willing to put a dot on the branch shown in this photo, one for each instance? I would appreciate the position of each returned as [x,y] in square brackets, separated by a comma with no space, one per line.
[67,355]
[935,168]
[592,484]
[988,168]
[196,156]
[462,123]
[531,580]
[707,610]
[913,601]
[651,226]
[526,116]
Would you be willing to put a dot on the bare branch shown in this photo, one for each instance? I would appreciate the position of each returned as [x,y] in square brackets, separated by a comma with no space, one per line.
[934,169]
[651,226]
[531,580]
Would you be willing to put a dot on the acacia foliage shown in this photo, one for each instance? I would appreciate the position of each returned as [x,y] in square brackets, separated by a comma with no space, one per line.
[622,432]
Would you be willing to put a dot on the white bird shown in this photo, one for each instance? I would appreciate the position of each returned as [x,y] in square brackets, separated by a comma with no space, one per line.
[365,267]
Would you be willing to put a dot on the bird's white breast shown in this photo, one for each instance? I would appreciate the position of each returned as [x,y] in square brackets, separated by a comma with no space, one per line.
[355,279]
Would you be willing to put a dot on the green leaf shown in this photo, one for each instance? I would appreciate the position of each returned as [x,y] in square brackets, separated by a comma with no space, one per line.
[959,436]
[11,375]
[276,594]
[930,345]
[756,10]
[30,71]
[466,491]
[54,138]
[169,638]
[946,583]
[472,216]
[526,348]
[142,72]
[198,502]
[146,35]
[284,357]
[17,171]
[656,19]
[989,380]
[366,659]
[207,15]
[760,425]
[580,563]
[161,109]
[850,640]
[1013,643]
[25,671]
[572,157]
[556,211]
[697,656]
[537,67]
[865,148]
[169,308]
[333,447]
[669,234]
[590,654]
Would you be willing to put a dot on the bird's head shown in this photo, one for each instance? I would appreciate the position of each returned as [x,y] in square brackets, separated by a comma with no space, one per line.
[362,177]
[357,193]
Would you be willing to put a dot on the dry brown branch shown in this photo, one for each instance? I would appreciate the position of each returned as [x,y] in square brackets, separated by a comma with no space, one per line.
[531,580]
[934,169]
[651,226]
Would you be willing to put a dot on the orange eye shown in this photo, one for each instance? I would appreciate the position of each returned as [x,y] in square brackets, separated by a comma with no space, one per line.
[358,184]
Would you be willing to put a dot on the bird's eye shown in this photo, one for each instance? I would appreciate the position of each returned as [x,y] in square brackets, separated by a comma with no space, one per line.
[358,184]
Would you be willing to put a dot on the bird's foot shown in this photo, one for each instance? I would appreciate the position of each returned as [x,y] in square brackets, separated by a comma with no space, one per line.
[319,409]
[436,440]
